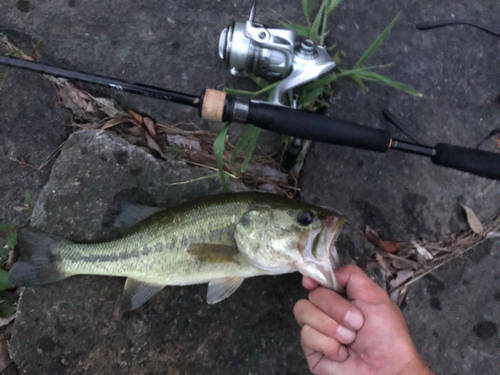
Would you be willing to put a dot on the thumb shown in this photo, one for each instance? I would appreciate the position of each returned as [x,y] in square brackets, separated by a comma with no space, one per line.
[358,285]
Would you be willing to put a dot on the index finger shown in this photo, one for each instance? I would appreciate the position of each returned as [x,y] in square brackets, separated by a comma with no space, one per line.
[309,283]
[358,285]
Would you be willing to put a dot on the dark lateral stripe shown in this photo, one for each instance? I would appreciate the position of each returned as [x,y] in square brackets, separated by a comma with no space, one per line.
[119,256]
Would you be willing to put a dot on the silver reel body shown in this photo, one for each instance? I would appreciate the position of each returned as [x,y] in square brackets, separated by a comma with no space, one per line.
[253,48]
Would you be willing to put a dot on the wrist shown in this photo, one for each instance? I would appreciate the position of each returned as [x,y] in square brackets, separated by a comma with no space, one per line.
[416,367]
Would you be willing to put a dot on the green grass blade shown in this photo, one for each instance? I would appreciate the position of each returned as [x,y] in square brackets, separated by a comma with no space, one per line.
[359,81]
[238,92]
[326,80]
[13,53]
[251,148]
[317,21]
[266,89]
[333,4]
[4,280]
[6,228]
[372,76]
[299,29]
[27,198]
[5,77]
[12,239]
[249,134]
[219,153]
[306,6]
[307,98]
[376,43]
[261,82]
[332,47]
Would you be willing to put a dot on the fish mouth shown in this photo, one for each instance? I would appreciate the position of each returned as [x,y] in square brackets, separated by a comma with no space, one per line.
[320,257]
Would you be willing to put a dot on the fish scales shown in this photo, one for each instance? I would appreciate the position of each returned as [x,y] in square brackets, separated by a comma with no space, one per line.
[157,251]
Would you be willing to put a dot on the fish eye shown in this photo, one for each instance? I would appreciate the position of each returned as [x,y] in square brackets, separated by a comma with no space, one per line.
[305,218]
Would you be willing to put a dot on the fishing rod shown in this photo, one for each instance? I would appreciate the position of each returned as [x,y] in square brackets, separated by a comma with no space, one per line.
[214,105]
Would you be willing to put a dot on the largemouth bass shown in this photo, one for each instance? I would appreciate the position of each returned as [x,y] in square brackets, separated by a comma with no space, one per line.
[219,240]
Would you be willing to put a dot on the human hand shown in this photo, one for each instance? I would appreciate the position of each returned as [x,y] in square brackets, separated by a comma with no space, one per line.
[365,334]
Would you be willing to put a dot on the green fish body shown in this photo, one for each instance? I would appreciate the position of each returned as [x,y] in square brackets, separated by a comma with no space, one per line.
[189,244]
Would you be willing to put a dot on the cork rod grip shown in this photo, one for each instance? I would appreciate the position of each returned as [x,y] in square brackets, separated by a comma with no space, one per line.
[213,105]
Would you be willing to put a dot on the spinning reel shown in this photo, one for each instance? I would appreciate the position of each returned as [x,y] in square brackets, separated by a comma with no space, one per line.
[251,47]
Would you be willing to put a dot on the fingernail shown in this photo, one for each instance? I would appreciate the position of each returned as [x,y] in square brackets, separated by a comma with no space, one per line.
[343,353]
[345,335]
[354,319]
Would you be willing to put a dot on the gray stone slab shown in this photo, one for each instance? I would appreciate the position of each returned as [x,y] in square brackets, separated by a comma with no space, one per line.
[406,197]
[31,129]
[454,314]
[74,326]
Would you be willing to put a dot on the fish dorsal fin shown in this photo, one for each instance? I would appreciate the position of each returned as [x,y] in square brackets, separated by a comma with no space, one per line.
[131,214]
[137,293]
[212,253]
[220,289]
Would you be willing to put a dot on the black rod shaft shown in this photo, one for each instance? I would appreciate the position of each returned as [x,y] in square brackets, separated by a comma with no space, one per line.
[134,88]
[412,148]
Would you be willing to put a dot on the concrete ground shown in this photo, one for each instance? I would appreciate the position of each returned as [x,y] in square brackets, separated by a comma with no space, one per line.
[71,327]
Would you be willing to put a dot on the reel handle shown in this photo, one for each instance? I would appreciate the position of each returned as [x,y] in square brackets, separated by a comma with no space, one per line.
[481,163]
[308,125]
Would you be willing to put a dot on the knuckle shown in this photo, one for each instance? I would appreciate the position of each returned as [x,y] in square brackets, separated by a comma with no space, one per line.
[306,331]
[331,327]
[300,306]
[333,350]
[319,295]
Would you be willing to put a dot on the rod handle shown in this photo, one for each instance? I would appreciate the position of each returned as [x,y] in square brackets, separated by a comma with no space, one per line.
[481,163]
[308,125]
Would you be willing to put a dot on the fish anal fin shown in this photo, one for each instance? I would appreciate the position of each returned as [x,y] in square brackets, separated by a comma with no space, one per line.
[132,214]
[220,289]
[137,293]
[213,253]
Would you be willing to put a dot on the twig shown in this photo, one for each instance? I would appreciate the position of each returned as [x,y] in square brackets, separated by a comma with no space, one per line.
[193,180]
[412,280]
[52,156]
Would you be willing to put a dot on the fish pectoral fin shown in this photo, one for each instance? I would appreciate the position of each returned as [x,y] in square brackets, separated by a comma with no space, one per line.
[131,214]
[137,293]
[212,253]
[220,289]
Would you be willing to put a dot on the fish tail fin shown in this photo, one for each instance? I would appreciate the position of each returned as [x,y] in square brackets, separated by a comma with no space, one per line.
[39,260]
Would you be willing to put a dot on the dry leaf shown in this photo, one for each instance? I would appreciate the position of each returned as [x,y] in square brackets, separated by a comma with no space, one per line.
[108,106]
[150,126]
[422,251]
[374,239]
[191,143]
[474,222]
[153,145]
[115,121]
[80,99]
[493,235]
[402,294]
[404,264]
[87,126]
[136,116]
[401,277]
[381,261]
[391,246]
[268,188]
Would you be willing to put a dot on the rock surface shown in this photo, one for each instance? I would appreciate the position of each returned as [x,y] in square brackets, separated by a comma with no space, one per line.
[454,314]
[73,326]
[405,197]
